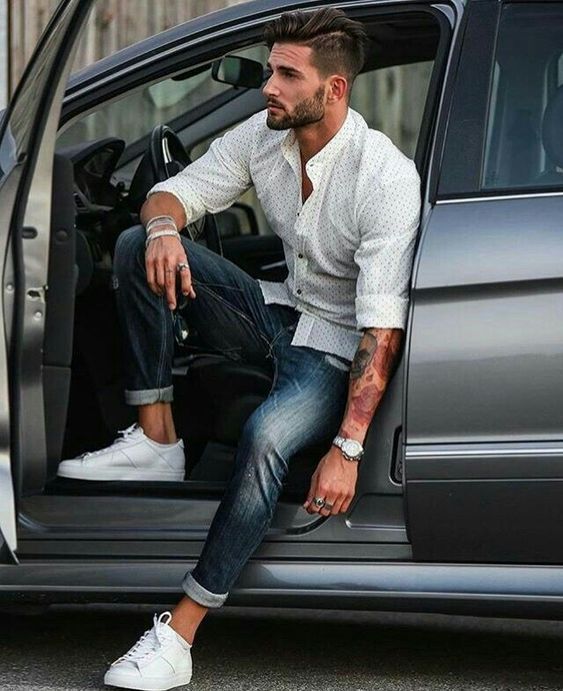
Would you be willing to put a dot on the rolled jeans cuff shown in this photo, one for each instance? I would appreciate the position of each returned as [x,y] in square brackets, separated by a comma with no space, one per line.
[199,594]
[147,396]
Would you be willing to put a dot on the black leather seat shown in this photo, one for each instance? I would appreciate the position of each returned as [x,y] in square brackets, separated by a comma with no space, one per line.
[214,399]
[216,396]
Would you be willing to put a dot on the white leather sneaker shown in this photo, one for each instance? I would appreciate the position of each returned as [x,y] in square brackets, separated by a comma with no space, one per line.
[159,660]
[132,456]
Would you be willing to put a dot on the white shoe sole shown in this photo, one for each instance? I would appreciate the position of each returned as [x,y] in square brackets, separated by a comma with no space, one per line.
[126,682]
[121,474]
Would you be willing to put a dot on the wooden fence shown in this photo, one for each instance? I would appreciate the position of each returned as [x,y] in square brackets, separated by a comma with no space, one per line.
[113,24]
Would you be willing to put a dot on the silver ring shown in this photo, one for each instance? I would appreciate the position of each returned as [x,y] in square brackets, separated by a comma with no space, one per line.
[319,501]
[182,266]
[328,506]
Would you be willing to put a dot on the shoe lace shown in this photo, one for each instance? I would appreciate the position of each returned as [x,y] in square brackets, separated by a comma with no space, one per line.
[150,641]
[124,436]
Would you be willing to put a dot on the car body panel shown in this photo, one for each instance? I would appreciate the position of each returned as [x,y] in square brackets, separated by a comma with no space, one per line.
[23,125]
[484,427]
[454,589]
[460,477]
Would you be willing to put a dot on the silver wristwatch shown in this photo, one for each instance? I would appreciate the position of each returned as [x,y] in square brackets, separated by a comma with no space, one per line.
[351,449]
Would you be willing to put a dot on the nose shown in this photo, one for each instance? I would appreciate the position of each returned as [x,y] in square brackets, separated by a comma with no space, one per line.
[270,88]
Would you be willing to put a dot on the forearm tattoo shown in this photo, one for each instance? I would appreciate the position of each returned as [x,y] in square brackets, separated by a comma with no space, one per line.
[369,374]
[364,354]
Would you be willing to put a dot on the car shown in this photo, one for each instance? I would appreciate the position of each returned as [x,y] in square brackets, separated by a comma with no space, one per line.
[459,502]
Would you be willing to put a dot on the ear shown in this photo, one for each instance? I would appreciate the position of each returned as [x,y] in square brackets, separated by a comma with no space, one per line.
[337,88]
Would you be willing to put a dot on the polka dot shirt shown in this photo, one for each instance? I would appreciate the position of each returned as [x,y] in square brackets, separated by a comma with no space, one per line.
[349,247]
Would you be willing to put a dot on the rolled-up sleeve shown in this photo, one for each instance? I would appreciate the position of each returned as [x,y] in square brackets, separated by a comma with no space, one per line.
[217,179]
[388,224]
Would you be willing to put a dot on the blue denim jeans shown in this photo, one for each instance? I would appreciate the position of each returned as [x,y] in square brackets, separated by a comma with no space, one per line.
[304,407]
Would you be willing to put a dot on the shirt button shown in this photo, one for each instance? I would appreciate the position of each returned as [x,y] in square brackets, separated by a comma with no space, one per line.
[298,291]
[300,255]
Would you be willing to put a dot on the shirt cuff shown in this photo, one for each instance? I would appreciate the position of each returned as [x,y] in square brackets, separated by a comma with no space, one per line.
[381,312]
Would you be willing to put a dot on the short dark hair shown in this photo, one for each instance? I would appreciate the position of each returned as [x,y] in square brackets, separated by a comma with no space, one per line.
[338,42]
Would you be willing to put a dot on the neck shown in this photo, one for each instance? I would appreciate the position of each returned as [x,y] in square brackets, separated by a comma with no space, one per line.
[312,138]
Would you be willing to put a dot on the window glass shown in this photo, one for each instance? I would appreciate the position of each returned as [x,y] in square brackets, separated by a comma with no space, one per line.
[152,105]
[524,144]
[392,100]
[155,104]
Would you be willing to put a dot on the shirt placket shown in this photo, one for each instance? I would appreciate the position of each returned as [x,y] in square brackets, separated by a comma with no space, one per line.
[304,225]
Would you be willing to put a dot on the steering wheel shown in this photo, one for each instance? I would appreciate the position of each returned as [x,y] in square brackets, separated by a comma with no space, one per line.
[168,156]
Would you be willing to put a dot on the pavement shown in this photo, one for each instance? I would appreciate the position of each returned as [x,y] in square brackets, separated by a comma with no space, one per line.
[68,648]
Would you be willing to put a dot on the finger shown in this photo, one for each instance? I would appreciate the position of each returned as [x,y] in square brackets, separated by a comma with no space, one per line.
[170,285]
[337,507]
[311,492]
[346,504]
[159,275]
[151,275]
[330,498]
[186,280]
[320,492]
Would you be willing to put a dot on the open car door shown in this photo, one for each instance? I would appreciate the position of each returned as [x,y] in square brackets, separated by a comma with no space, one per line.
[27,136]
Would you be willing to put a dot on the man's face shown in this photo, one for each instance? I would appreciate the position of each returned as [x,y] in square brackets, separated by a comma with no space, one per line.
[295,93]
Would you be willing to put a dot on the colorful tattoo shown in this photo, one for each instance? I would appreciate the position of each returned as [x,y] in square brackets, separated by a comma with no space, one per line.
[369,374]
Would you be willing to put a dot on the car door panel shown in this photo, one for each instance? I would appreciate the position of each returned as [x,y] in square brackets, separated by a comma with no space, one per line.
[488,324]
[24,237]
[484,454]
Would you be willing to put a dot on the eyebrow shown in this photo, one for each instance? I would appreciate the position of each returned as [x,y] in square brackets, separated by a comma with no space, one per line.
[285,68]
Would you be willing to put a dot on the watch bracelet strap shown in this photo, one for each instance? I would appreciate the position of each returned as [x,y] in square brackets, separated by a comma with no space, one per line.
[338,441]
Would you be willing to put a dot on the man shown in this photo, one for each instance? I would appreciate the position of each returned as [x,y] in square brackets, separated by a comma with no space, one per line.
[346,204]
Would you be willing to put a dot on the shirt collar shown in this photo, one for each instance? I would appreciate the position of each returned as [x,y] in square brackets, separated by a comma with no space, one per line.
[290,146]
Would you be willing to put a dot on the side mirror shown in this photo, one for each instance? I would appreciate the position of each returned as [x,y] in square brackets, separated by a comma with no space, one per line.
[238,71]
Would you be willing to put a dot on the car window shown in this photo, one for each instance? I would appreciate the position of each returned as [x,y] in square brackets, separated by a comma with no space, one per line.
[524,142]
[153,105]
[392,100]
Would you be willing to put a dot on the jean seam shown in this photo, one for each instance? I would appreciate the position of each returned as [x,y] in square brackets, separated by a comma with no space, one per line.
[236,311]
[162,348]
[216,285]
[275,377]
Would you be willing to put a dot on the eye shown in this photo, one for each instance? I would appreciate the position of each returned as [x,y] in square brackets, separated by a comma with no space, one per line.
[267,73]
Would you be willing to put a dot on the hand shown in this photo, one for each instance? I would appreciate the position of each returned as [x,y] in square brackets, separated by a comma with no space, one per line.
[161,260]
[335,481]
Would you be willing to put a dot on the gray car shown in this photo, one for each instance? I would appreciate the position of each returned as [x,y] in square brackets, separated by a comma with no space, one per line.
[459,502]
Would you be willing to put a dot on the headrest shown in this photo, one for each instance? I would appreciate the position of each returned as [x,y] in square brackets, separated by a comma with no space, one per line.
[552,128]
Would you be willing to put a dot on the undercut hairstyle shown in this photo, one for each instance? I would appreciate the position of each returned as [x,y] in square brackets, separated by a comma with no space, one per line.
[338,42]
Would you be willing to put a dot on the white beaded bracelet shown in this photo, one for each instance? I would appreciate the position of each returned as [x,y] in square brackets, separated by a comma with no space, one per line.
[161,234]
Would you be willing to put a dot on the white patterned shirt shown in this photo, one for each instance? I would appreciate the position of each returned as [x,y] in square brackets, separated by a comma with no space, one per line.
[348,248]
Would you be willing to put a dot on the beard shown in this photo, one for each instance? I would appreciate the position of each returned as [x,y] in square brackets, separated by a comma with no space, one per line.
[306,112]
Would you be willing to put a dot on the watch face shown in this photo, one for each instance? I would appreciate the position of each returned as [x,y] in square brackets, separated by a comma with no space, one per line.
[352,447]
